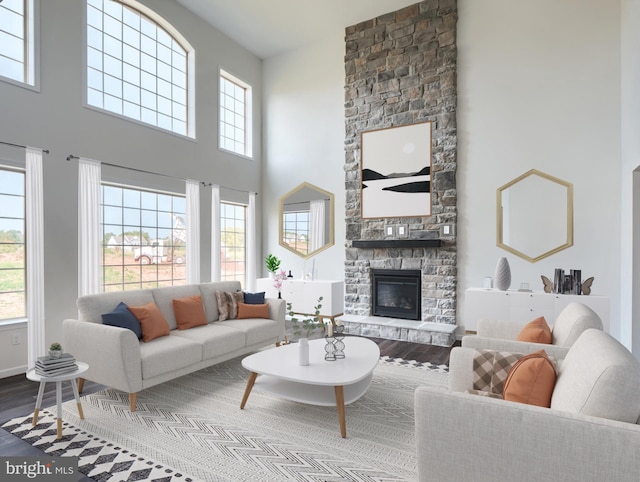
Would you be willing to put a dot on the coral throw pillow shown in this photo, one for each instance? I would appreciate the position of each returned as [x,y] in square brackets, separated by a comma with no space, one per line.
[531,380]
[228,304]
[189,312]
[152,321]
[536,331]
[248,310]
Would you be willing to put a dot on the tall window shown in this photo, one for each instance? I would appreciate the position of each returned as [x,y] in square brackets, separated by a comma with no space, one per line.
[12,247]
[136,68]
[233,242]
[143,239]
[17,42]
[235,115]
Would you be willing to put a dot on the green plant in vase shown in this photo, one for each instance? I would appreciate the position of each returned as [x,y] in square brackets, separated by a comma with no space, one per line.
[55,350]
[305,327]
[272,263]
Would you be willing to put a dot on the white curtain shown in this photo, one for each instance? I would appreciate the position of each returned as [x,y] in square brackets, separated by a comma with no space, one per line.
[316,224]
[89,265]
[251,243]
[215,233]
[193,231]
[35,257]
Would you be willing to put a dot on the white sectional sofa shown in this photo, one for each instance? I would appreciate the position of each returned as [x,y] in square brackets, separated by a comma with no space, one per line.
[118,359]
[589,434]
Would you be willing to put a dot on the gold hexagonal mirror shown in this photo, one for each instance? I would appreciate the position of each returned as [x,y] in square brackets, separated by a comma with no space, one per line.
[306,220]
[535,215]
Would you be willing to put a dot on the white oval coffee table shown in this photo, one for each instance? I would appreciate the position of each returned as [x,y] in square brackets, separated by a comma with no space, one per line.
[325,383]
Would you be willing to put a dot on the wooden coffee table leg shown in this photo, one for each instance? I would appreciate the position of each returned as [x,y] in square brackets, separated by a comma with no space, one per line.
[247,390]
[340,406]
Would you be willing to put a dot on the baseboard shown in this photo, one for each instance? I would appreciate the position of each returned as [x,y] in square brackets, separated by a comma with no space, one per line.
[10,372]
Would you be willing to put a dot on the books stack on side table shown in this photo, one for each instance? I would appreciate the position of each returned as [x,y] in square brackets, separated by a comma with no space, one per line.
[49,367]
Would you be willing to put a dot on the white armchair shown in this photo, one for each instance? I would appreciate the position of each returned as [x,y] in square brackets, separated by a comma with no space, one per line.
[501,335]
[590,433]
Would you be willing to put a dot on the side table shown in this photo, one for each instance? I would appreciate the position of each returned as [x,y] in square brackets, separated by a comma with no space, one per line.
[71,377]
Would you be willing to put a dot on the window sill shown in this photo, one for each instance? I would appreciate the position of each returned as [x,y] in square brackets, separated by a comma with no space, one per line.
[13,323]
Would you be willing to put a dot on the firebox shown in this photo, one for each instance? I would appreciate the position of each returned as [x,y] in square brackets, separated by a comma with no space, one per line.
[396,293]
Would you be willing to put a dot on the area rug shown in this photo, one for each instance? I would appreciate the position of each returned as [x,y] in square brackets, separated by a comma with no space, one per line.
[192,429]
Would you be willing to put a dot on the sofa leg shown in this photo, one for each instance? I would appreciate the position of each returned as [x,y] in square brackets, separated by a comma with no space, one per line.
[132,401]
[80,385]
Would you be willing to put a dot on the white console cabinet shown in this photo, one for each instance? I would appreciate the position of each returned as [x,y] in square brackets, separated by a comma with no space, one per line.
[525,306]
[303,295]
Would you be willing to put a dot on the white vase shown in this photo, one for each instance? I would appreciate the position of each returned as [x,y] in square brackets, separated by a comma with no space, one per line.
[503,274]
[303,351]
[272,274]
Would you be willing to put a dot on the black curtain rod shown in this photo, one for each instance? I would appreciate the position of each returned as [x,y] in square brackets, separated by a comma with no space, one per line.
[46,151]
[203,183]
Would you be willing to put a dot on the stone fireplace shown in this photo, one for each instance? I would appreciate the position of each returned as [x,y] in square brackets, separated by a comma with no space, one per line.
[401,70]
[396,293]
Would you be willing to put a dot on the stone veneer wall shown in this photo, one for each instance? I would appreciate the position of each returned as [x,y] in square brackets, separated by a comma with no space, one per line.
[400,70]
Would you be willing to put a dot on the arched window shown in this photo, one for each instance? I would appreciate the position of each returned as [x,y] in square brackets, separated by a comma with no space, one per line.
[139,66]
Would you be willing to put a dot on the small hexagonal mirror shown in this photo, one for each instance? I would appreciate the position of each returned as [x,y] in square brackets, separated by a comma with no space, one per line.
[535,215]
[306,220]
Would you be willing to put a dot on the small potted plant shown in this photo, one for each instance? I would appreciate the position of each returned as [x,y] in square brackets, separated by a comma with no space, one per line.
[272,263]
[55,350]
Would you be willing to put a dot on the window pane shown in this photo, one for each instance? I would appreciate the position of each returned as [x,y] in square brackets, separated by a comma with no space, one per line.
[234,117]
[139,251]
[12,244]
[133,48]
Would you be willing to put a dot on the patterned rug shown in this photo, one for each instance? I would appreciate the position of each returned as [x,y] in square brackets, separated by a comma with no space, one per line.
[192,429]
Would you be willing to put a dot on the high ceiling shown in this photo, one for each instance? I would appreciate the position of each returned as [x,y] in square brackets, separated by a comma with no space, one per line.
[271,27]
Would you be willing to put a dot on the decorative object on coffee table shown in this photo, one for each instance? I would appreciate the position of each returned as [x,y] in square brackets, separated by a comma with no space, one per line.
[303,352]
[304,328]
[503,274]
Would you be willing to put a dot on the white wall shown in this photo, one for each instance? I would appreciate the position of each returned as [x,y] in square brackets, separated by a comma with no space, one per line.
[55,119]
[539,87]
[304,142]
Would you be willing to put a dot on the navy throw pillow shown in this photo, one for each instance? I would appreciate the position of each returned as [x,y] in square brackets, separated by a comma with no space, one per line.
[123,318]
[254,298]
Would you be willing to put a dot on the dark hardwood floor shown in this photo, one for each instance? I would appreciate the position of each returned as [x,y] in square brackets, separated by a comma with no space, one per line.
[18,395]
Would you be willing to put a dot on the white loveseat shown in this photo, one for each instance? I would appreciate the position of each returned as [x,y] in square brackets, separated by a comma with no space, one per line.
[118,359]
[590,433]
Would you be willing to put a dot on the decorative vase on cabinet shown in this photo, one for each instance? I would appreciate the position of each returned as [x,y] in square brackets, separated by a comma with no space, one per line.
[503,274]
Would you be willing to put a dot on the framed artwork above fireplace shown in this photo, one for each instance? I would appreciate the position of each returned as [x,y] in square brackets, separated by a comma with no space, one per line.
[395,176]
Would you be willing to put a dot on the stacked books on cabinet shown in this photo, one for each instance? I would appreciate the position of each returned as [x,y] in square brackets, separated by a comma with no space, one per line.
[49,367]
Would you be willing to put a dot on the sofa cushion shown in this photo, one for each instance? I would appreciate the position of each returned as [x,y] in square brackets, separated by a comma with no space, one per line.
[536,331]
[253,310]
[164,297]
[491,368]
[167,354]
[599,377]
[189,312]
[92,307]
[215,339]
[208,291]
[254,298]
[228,304]
[256,330]
[572,321]
[531,380]
[152,322]
[122,318]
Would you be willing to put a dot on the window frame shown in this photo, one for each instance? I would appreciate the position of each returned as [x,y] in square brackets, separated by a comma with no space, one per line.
[31,67]
[22,171]
[181,281]
[157,19]
[248,114]
[223,246]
